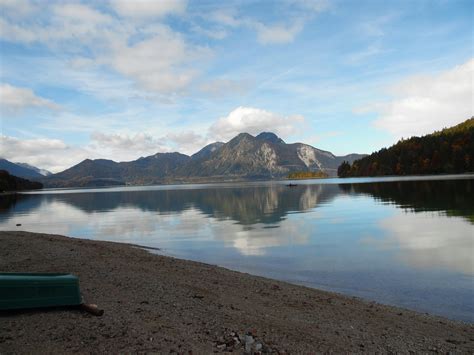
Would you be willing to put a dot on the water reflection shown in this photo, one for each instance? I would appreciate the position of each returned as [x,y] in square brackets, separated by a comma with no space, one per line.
[247,206]
[446,244]
[389,241]
[451,197]
[261,204]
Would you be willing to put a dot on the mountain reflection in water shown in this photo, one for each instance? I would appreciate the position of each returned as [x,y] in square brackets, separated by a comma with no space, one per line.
[263,204]
[408,243]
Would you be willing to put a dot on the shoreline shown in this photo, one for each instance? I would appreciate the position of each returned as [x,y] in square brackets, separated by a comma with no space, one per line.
[159,303]
[341,181]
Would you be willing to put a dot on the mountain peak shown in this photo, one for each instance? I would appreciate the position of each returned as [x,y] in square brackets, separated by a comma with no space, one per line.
[240,137]
[243,135]
[271,137]
[207,150]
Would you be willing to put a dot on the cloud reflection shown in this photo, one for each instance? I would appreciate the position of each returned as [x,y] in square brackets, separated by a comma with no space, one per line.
[429,241]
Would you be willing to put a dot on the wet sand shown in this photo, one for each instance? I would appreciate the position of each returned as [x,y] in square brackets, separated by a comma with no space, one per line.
[161,304]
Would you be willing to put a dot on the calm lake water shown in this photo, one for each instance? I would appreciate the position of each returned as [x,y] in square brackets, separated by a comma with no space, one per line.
[406,242]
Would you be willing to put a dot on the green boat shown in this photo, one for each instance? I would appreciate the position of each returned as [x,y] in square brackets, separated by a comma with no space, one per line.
[33,290]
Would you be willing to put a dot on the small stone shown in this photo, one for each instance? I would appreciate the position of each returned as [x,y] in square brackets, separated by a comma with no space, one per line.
[249,340]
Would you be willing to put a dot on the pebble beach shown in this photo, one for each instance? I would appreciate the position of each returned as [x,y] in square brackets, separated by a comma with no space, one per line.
[155,303]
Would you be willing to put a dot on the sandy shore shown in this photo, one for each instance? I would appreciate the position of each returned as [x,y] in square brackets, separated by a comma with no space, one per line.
[161,304]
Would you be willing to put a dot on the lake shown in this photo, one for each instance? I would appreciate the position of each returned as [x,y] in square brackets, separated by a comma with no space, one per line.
[401,241]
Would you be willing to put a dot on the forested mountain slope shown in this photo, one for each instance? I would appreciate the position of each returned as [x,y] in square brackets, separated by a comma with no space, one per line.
[449,151]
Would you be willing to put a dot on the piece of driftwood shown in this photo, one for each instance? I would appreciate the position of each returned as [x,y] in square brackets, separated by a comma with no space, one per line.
[92,309]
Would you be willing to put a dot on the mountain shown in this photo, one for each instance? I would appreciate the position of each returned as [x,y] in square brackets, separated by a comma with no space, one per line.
[449,151]
[153,169]
[207,150]
[21,170]
[100,172]
[10,182]
[269,137]
[265,156]
[260,157]
[43,172]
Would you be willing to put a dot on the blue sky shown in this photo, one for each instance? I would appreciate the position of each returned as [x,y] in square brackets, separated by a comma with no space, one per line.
[122,79]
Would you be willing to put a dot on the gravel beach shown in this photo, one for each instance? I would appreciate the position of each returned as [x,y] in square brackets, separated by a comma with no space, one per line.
[161,304]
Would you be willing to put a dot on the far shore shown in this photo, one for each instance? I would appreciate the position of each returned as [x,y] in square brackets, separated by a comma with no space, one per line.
[250,181]
[161,304]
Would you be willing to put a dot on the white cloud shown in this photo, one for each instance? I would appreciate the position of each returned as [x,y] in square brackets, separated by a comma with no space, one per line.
[16,33]
[187,142]
[254,121]
[277,34]
[214,33]
[17,8]
[272,33]
[50,154]
[99,84]
[148,8]
[80,14]
[161,64]
[227,17]
[224,87]
[138,142]
[426,103]
[69,26]
[14,99]
[126,146]
[155,57]
[130,146]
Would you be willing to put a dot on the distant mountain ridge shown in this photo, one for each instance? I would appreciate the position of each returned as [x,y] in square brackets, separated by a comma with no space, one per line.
[100,172]
[43,172]
[245,157]
[449,151]
[23,170]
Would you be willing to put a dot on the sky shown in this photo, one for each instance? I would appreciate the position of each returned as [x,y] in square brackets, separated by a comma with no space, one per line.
[122,79]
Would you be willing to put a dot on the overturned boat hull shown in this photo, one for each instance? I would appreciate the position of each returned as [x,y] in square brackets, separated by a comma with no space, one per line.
[37,290]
